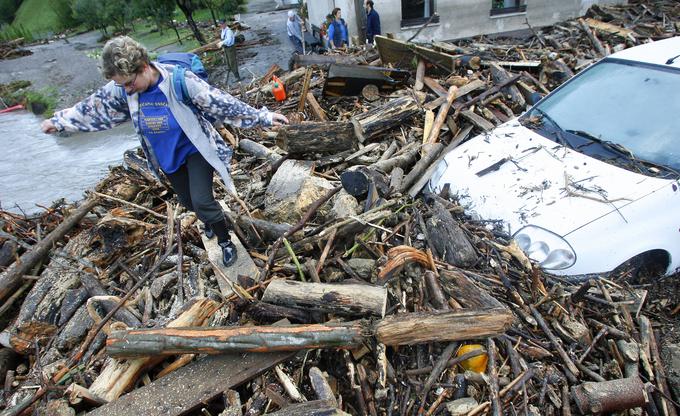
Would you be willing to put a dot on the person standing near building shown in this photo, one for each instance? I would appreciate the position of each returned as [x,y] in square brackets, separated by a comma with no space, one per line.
[229,47]
[372,22]
[337,31]
[294,29]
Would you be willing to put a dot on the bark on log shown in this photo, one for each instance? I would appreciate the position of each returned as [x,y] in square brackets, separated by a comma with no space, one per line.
[406,329]
[389,115]
[343,299]
[469,295]
[268,230]
[316,137]
[313,408]
[95,288]
[402,161]
[7,253]
[13,276]
[609,396]
[447,239]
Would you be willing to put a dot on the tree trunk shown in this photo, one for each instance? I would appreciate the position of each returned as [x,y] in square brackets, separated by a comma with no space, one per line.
[185,7]
[405,329]
[316,137]
[389,115]
[343,299]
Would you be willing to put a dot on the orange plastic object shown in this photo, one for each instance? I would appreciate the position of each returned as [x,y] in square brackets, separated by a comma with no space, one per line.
[476,364]
[278,90]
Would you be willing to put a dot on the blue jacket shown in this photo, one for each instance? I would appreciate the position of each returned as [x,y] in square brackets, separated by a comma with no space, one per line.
[337,32]
[372,25]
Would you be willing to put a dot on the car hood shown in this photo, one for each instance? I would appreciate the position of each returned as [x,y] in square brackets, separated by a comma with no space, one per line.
[537,181]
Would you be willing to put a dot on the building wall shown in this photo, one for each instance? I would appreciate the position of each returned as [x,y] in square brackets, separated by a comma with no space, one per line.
[460,18]
[318,9]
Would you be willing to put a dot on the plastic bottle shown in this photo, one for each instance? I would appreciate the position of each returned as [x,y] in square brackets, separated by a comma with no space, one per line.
[278,89]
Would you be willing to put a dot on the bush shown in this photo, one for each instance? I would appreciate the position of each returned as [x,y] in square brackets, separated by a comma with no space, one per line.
[39,102]
[8,9]
[64,12]
[10,32]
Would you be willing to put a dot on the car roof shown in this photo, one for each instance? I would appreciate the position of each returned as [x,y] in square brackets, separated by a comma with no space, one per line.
[658,52]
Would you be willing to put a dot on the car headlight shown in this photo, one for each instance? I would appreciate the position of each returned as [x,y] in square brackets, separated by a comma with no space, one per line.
[548,249]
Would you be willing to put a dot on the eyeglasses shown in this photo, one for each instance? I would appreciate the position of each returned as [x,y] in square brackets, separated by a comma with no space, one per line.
[128,84]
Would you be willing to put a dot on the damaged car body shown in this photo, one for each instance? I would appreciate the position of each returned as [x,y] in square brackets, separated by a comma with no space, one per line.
[587,179]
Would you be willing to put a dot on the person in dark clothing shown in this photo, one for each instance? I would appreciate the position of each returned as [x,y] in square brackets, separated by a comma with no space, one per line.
[337,31]
[372,21]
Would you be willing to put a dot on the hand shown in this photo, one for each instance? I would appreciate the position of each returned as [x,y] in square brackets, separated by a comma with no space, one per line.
[48,127]
[279,119]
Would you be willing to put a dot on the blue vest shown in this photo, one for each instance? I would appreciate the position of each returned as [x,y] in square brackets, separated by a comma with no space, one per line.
[337,33]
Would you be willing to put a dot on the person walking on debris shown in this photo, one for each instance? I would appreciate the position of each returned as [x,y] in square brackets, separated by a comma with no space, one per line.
[176,139]
[294,29]
[372,22]
[337,31]
[228,44]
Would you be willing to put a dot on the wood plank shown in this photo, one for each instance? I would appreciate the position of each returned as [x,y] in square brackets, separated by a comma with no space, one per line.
[610,28]
[192,386]
[401,54]
[244,263]
[462,91]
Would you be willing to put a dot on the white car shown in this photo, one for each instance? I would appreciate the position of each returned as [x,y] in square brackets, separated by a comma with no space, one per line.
[587,179]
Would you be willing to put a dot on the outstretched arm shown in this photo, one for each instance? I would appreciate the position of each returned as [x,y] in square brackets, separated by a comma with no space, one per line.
[103,110]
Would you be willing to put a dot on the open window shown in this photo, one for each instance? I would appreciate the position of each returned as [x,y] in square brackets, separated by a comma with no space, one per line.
[417,12]
[501,7]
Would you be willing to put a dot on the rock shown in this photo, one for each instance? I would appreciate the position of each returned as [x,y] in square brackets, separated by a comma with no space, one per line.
[671,355]
[344,205]
[461,407]
[292,190]
[365,268]
[57,408]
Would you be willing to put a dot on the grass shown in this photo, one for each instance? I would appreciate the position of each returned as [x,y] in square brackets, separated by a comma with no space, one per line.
[39,101]
[37,16]
[146,35]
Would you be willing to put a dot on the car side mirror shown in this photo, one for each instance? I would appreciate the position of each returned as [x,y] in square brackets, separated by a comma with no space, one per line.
[535,97]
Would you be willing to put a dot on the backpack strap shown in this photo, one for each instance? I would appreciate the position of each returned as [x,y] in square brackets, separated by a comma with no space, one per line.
[180,86]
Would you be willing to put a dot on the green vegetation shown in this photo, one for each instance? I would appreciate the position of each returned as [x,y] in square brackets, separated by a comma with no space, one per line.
[38,17]
[39,102]
[9,32]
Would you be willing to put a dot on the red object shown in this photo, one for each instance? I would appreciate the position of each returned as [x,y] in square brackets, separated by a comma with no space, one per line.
[12,108]
[278,90]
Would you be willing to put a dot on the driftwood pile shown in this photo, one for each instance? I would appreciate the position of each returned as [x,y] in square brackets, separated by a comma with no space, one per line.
[12,49]
[355,290]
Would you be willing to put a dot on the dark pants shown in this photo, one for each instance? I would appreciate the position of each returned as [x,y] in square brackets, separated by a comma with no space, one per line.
[296,43]
[193,184]
[230,56]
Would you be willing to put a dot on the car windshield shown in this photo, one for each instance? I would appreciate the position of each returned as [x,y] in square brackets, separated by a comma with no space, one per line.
[632,106]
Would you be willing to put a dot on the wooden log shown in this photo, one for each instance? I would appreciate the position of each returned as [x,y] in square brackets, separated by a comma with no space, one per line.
[435,86]
[469,295]
[12,278]
[403,161]
[258,150]
[447,239]
[95,288]
[462,92]
[420,75]
[326,60]
[319,113]
[305,89]
[601,52]
[425,177]
[316,137]
[321,387]
[313,408]
[266,229]
[382,118]
[440,326]
[404,329]
[441,115]
[610,29]
[119,376]
[479,121]
[609,396]
[8,253]
[343,299]
[430,153]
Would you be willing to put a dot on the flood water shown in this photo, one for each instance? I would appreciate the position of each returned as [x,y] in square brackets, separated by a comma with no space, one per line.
[38,168]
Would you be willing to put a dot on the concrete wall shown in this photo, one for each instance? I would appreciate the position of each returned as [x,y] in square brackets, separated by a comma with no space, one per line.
[461,18]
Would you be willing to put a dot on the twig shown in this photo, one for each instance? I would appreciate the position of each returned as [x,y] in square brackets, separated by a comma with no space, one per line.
[295,259]
[122,201]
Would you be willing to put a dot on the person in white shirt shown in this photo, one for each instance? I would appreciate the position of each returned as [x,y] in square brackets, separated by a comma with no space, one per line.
[228,44]
[294,28]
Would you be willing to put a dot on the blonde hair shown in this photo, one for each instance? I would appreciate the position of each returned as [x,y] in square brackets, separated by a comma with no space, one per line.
[123,56]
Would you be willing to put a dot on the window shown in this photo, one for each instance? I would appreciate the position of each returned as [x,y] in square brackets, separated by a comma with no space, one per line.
[417,12]
[500,7]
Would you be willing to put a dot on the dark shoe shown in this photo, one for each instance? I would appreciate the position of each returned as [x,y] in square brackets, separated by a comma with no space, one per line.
[209,233]
[229,254]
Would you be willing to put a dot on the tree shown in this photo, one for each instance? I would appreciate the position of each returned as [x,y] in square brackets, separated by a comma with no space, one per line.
[8,9]
[91,14]
[161,12]
[188,7]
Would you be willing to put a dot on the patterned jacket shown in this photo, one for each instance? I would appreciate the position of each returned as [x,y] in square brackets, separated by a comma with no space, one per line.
[110,106]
